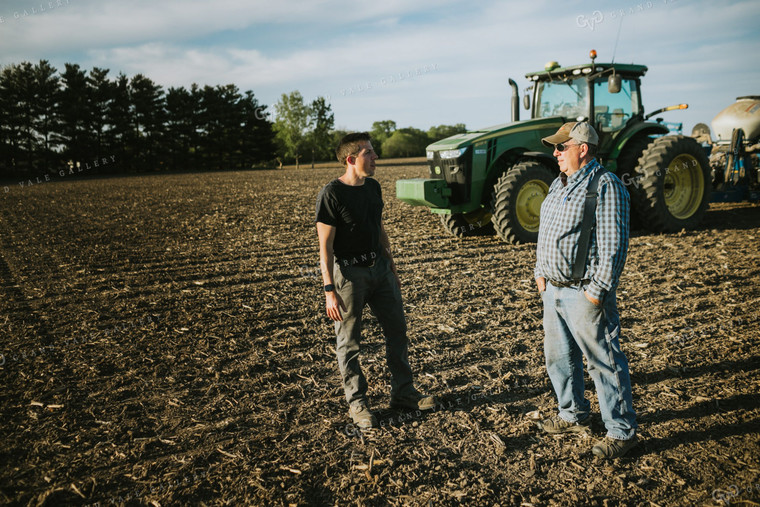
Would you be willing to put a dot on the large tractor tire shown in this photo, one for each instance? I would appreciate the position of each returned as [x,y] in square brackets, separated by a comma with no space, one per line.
[674,184]
[629,174]
[517,198]
[464,225]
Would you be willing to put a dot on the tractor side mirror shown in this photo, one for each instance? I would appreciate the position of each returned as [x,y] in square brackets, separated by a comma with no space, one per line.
[526,101]
[613,83]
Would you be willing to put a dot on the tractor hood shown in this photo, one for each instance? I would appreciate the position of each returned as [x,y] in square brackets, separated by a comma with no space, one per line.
[459,141]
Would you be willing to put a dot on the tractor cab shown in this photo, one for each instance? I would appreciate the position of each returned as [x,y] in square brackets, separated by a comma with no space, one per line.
[606,95]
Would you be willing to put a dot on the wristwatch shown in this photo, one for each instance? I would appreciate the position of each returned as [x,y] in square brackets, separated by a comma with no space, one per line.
[329,288]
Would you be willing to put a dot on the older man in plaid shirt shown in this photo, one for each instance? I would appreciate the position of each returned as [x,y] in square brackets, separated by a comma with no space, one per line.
[580,314]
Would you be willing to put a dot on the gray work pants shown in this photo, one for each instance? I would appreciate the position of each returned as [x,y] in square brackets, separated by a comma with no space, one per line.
[376,286]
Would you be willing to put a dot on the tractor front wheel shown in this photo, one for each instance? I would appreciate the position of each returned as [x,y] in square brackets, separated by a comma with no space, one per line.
[675,184]
[516,202]
[464,225]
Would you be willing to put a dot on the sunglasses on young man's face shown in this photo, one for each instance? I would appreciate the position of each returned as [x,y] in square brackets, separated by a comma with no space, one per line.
[564,146]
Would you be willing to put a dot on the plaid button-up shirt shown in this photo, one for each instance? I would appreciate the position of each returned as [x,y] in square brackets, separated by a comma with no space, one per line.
[558,234]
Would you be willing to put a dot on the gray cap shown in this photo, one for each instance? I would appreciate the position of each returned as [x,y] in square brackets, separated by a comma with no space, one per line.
[580,132]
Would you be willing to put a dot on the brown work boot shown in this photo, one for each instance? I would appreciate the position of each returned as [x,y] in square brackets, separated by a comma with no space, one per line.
[413,401]
[613,448]
[556,425]
[362,416]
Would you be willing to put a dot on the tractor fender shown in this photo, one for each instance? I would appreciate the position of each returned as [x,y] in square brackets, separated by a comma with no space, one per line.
[546,159]
[640,129]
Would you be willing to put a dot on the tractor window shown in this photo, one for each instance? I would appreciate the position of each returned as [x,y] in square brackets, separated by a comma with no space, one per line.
[568,99]
[613,110]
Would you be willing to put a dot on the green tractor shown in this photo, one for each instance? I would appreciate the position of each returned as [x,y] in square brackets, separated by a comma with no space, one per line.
[494,180]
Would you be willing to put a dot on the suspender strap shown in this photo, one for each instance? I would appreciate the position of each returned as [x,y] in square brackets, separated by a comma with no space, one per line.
[589,212]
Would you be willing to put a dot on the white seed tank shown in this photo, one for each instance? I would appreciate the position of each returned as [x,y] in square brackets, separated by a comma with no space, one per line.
[744,114]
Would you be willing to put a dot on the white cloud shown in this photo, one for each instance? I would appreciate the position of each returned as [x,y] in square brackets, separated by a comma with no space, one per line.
[694,48]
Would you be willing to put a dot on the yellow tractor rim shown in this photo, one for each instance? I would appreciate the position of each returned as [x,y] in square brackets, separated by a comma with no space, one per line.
[683,186]
[478,217]
[529,200]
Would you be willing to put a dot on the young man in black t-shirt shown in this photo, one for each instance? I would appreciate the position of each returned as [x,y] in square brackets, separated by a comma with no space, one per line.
[357,269]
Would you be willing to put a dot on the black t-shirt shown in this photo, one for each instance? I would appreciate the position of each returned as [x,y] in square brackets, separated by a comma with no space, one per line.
[356,213]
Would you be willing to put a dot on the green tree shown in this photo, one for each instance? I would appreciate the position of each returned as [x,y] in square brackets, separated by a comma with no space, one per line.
[444,131]
[122,133]
[291,126]
[101,96]
[257,136]
[47,117]
[322,123]
[10,119]
[74,114]
[406,142]
[148,114]
[381,131]
[16,82]
[180,126]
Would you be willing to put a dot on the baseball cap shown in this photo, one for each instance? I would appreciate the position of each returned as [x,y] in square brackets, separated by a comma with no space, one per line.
[580,132]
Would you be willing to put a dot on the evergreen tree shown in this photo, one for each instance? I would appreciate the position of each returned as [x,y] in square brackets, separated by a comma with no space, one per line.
[11,117]
[256,134]
[101,96]
[73,111]
[47,91]
[181,118]
[122,132]
[148,115]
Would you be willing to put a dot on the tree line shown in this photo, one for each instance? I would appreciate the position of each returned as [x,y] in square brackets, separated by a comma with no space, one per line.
[51,120]
[306,130]
[73,119]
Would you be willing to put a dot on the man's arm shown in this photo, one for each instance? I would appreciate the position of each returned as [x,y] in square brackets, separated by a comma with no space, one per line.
[386,244]
[333,301]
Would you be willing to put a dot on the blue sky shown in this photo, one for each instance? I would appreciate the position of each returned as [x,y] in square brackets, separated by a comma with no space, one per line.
[419,63]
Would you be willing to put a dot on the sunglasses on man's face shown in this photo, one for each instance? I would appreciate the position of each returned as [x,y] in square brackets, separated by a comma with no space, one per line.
[563,146]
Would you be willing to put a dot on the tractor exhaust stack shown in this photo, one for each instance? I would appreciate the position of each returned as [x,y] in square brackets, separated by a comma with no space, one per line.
[515,100]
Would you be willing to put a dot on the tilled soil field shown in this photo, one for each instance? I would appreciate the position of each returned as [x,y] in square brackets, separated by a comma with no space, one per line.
[164,342]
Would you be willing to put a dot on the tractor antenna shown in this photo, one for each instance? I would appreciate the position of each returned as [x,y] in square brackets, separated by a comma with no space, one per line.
[614,51]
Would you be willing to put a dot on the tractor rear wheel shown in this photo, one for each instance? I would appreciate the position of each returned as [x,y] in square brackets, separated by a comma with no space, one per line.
[627,170]
[516,202]
[674,184]
[464,225]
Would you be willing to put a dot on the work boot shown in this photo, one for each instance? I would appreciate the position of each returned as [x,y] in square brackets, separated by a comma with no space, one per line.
[413,401]
[362,416]
[557,425]
[613,448]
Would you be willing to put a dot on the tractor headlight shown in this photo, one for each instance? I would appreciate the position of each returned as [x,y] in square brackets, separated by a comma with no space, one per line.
[449,154]
[430,155]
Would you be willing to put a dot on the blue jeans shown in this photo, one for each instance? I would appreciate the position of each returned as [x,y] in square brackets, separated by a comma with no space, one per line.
[574,327]
[374,286]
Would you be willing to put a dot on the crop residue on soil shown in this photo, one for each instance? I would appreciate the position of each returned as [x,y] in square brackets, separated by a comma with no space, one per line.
[163,341]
